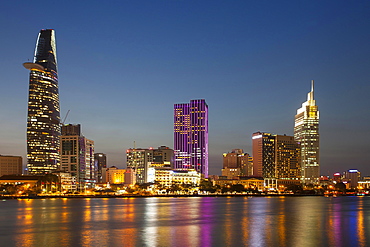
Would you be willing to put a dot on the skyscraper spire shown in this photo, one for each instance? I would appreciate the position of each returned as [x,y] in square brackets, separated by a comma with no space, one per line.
[310,94]
[312,85]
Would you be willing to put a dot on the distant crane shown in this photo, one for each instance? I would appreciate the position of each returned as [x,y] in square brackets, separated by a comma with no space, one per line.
[65,118]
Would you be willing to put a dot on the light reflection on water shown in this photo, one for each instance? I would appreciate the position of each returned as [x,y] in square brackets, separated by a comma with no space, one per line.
[195,221]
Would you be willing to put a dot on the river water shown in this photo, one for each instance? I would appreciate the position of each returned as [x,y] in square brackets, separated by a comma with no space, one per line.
[191,221]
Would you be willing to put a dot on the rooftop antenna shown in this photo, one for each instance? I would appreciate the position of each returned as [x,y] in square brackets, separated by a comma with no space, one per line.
[134,144]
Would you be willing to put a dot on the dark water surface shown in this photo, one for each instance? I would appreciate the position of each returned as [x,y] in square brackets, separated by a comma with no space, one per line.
[194,221]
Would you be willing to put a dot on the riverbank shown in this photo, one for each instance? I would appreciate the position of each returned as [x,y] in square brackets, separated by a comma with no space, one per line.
[71,196]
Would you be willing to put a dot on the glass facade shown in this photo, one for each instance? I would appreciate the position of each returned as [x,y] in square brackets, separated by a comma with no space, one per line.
[306,132]
[77,158]
[276,156]
[143,161]
[263,145]
[138,160]
[43,121]
[191,136]
[287,158]
[100,160]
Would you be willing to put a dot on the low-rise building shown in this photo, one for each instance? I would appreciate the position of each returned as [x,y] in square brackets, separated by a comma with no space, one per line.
[186,176]
[113,175]
[254,183]
[163,176]
[10,165]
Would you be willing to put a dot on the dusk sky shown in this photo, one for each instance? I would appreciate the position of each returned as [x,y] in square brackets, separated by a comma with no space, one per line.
[122,66]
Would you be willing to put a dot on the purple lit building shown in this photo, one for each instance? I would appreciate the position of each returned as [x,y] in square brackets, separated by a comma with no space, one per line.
[191,136]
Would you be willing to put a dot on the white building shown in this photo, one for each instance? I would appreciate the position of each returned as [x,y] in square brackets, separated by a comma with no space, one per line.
[306,131]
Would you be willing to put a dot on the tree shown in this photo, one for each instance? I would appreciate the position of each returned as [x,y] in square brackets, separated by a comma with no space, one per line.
[237,188]
[340,187]
[49,182]
[295,188]
[207,185]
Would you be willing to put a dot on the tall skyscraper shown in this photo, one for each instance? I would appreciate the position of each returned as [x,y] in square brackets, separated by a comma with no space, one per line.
[43,129]
[191,136]
[306,131]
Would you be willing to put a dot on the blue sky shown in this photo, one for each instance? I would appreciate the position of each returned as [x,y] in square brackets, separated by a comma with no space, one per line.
[123,64]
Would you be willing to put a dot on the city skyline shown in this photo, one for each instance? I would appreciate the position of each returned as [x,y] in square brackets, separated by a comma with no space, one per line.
[251,62]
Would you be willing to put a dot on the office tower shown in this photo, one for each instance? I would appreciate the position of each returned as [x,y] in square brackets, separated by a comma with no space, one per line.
[138,159]
[77,156]
[191,136]
[235,163]
[10,165]
[43,119]
[287,158]
[306,132]
[276,156]
[143,161]
[100,164]
[263,145]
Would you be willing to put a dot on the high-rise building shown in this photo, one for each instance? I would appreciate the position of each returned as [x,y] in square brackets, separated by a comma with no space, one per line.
[138,159]
[276,156]
[100,164]
[143,161]
[77,156]
[263,146]
[287,158]
[43,129]
[191,136]
[306,132]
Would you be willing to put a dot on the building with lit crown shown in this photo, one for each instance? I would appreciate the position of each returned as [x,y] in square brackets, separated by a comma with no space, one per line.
[351,178]
[306,132]
[43,129]
[191,136]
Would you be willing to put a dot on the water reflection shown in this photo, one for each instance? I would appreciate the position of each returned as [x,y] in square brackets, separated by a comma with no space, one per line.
[208,221]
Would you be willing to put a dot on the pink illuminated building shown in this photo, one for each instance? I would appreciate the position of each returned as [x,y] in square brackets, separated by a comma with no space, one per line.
[191,136]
